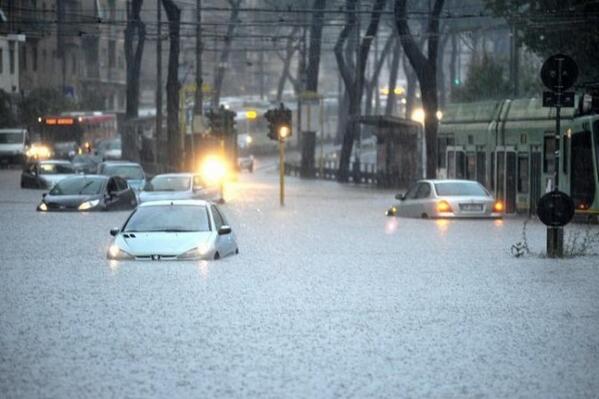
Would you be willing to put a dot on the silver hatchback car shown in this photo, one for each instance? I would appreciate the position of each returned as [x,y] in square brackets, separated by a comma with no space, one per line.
[447,199]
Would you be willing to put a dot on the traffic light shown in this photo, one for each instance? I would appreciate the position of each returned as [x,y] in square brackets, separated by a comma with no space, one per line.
[279,123]
[222,121]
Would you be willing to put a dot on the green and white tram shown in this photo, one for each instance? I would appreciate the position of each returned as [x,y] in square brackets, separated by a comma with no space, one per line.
[509,146]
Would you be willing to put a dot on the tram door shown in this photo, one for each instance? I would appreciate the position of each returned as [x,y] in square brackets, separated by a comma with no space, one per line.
[456,162]
[506,177]
[582,178]
[536,169]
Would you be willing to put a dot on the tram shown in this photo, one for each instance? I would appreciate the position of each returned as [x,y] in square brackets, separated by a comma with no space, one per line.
[509,146]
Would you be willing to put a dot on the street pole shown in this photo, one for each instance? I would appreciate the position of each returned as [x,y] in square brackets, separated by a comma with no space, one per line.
[555,235]
[198,103]
[282,172]
[321,137]
[158,136]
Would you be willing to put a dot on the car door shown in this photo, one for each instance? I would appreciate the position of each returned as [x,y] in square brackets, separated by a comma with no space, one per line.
[406,206]
[111,195]
[423,203]
[29,176]
[225,244]
[126,195]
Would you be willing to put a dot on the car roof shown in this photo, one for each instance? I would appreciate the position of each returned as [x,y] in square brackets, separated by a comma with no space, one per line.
[125,163]
[54,161]
[182,174]
[434,181]
[94,177]
[175,202]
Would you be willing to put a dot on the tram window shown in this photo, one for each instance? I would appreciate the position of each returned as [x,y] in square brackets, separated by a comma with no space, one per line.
[471,166]
[582,179]
[523,174]
[480,167]
[441,149]
[451,164]
[549,158]
[493,171]
[460,164]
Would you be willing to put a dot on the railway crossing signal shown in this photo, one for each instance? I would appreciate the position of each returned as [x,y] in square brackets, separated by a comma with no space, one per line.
[279,129]
[559,73]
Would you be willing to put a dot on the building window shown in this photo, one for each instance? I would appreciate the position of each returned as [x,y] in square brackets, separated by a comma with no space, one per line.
[11,57]
[523,173]
[111,54]
[549,159]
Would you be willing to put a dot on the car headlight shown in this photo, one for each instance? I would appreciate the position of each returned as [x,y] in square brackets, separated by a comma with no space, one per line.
[196,253]
[116,253]
[43,207]
[88,204]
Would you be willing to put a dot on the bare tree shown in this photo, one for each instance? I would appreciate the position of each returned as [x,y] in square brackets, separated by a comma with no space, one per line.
[315,45]
[219,74]
[354,82]
[135,34]
[425,67]
[393,70]
[370,85]
[173,14]
[290,50]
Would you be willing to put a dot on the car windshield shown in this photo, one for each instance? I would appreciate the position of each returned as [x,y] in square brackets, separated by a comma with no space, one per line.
[169,218]
[460,189]
[56,168]
[84,159]
[114,145]
[169,183]
[129,172]
[11,138]
[78,186]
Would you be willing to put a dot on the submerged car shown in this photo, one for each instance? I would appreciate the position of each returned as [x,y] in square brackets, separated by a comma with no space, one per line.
[130,171]
[46,173]
[246,163]
[89,193]
[110,149]
[176,186]
[447,199]
[173,230]
[86,163]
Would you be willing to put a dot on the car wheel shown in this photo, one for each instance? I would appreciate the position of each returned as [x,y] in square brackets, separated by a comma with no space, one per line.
[424,216]
[236,251]
[216,256]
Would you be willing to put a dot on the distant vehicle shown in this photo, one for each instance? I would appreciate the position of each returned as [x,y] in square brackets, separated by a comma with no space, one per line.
[72,131]
[130,171]
[86,163]
[246,163]
[174,230]
[447,199]
[178,186]
[110,149]
[14,144]
[89,193]
[46,173]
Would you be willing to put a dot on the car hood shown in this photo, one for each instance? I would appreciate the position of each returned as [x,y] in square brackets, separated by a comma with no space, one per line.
[146,196]
[68,201]
[161,243]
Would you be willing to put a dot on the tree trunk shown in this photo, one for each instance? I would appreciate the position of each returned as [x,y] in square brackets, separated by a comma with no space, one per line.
[219,74]
[426,70]
[315,45]
[412,84]
[441,71]
[357,83]
[453,72]
[290,50]
[135,34]
[371,85]
[173,14]
[394,68]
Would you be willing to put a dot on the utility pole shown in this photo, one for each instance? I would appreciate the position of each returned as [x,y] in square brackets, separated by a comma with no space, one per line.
[159,134]
[199,100]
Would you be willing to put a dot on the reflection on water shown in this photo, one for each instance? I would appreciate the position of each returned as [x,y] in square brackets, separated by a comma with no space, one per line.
[498,222]
[113,265]
[203,269]
[442,225]
[391,225]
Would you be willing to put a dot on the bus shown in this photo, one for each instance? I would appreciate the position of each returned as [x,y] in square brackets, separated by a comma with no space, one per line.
[509,146]
[71,132]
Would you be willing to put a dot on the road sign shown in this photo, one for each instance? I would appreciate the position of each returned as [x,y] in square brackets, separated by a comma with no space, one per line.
[550,99]
[559,72]
[555,209]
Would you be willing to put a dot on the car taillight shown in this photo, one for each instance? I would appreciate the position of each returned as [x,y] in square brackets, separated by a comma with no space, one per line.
[498,206]
[443,206]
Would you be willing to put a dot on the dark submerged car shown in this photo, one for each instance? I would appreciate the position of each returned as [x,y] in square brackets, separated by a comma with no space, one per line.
[89,193]
[46,173]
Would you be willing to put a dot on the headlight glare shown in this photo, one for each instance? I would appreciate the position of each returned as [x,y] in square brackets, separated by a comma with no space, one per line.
[88,204]
[116,253]
[43,207]
[196,253]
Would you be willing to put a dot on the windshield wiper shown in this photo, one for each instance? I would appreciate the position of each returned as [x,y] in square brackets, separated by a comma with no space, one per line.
[86,185]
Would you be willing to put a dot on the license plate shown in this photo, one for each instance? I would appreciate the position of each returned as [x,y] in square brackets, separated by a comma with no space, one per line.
[471,207]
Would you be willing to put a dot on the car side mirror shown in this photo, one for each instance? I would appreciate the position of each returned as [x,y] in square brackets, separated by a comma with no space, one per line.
[224,230]
[114,231]
[400,197]
[44,195]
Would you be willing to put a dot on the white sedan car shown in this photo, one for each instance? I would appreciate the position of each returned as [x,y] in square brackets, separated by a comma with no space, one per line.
[447,199]
[178,186]
[174,230]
